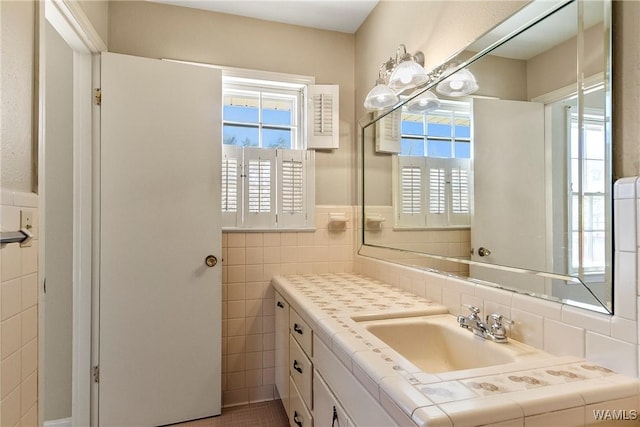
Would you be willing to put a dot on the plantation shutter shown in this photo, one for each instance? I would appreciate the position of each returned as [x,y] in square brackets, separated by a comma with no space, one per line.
[431,192]
[295,185]
[231,202]
[322,117]
[388,133]
[259,187]
[437,172]
[410,191]
[448,192]
[460,206]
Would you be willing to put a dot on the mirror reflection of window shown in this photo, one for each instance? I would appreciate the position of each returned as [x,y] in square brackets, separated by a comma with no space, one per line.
[435,167]
[587,193]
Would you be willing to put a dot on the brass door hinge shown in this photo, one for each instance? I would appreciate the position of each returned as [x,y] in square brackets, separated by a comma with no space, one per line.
[97,93]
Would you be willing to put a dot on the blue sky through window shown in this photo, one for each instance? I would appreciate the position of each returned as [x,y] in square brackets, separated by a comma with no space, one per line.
[248,134]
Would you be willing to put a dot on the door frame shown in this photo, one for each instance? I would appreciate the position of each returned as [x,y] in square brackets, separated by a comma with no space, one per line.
[75,28]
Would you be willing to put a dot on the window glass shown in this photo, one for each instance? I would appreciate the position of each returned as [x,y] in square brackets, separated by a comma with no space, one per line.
[411,147]
[242,136]
[412,124]
[594,176]
[462,127]
[277,110]
[439,125]
[463,150]
[241,107]
[276,138]
[594,142]
[437,148]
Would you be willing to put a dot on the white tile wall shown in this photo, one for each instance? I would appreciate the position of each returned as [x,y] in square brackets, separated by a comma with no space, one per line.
[250,260]
[18,316]
[559,329]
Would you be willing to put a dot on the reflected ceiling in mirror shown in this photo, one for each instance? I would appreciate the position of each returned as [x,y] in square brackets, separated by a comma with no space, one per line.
[517,175]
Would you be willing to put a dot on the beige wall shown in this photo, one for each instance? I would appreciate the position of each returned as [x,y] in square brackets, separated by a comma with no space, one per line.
[97,12]
[626,89]
[17,36]
[162,31]
[555,68]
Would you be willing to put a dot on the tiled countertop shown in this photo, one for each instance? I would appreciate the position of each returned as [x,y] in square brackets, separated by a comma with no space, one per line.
[544,391]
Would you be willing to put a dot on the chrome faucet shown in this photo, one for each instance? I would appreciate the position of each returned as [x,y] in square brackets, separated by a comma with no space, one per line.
[493,329]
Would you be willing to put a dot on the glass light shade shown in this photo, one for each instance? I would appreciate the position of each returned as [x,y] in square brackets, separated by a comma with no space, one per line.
[380,97]
[407,74]
[427,101]
[459,84]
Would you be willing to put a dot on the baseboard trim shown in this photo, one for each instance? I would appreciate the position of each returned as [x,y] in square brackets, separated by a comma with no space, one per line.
[62,422]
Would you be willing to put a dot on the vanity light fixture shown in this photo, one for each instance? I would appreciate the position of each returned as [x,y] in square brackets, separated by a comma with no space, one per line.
[399,75]
[408,72]
[424,102]
[460,83]
[381,96]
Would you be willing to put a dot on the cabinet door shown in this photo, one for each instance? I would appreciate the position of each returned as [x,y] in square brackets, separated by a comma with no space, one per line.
[327,412]
[282,349]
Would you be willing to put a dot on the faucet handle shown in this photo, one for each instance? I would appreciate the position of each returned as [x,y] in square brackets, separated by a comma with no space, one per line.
[496,327]
[472,308]
[498,319]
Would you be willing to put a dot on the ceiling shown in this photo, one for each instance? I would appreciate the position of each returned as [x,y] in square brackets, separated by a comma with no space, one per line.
[336,15]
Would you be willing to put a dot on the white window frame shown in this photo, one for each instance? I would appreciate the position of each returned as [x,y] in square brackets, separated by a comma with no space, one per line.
[279,160]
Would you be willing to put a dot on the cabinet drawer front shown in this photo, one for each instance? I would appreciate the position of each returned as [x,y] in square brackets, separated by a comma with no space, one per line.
[301,332]
[301,371]
[299,415]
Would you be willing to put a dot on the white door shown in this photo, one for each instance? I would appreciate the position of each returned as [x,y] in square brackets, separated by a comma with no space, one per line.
[508,216]
[160,304]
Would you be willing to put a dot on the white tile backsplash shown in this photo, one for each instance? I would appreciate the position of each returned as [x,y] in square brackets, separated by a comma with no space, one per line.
[18,315]
[625,215]
[590,320]
[612,353]
[562,339]
[527,328]
[625,277]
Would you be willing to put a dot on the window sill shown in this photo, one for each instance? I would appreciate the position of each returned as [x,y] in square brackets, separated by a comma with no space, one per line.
[443,228]
[268,230]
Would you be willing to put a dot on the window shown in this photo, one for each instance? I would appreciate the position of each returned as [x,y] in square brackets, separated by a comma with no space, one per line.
[587,207]
[433,167]
[267,170]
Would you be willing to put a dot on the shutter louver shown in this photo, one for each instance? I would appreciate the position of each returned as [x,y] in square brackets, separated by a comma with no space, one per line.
[411,190]
[292,187]
[388,133]
[460,190]
[229,185]
[437,190]
[322,117]
[259,176]
[322,120]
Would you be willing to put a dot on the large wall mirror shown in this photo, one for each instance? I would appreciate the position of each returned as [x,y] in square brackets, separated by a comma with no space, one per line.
[510,184]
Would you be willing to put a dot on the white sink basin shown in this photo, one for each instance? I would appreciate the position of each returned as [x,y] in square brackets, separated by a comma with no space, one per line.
[438,344]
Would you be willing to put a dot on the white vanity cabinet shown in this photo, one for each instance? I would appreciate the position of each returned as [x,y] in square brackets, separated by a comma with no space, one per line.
[294,366]
[315,387]
[282,350]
